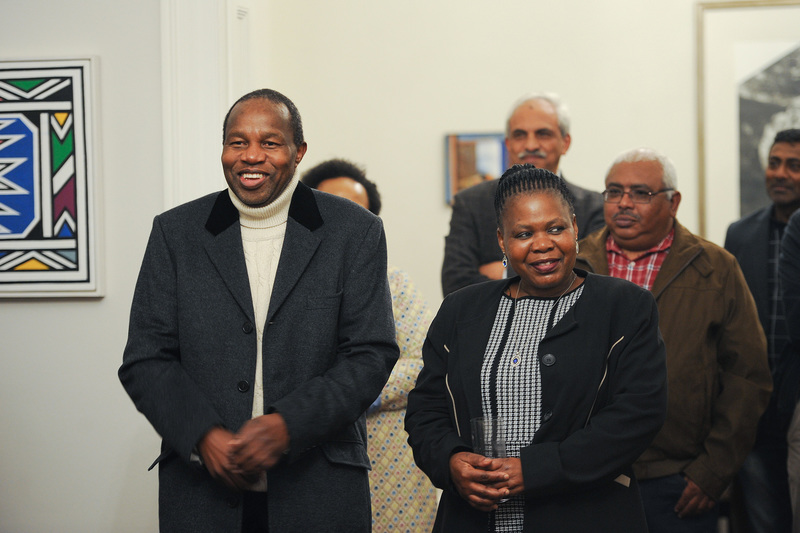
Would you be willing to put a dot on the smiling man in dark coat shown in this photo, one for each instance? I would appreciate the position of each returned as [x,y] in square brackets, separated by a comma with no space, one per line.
[261,330]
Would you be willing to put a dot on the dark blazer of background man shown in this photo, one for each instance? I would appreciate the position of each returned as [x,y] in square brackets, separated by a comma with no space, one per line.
[328,345]
[786,387]
[537,132]
[755,241]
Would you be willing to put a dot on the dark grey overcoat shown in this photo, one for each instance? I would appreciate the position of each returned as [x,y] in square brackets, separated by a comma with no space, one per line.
[329,346]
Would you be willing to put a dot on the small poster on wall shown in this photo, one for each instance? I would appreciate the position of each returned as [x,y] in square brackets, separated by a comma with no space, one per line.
[48,215]
[472,158]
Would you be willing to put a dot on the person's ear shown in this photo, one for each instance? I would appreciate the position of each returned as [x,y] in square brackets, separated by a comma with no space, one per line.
[301,151]
[674,202]
[500,241]
[567,142]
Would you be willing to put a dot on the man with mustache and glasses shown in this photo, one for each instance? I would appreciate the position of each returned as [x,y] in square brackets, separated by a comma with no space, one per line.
[718,376]
[755,241]
[537,132]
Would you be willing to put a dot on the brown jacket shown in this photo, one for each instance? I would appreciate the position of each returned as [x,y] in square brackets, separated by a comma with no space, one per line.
[719,380]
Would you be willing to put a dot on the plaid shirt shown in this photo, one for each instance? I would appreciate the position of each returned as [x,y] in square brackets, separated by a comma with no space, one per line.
[776,328]
[642,270]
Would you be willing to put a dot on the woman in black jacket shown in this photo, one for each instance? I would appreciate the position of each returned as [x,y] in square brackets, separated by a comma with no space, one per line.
[572,362]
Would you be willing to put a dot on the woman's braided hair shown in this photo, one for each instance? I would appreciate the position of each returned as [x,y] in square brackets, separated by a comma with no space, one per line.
[524,179]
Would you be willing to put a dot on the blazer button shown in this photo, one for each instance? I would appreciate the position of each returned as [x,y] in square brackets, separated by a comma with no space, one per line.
[247,327]
[549,359]
[547,415]
[243,386]
[232,501]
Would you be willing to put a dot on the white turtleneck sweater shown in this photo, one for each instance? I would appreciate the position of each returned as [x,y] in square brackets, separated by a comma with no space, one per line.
[263,229]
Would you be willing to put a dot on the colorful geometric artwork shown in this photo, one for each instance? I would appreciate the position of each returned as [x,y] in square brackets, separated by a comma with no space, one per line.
[48,243]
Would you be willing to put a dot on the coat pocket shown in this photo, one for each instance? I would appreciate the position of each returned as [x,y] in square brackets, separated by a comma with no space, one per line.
[346,453]
[323,302]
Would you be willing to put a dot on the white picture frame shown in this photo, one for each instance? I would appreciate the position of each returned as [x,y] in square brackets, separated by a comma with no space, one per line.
[49,217]
[734,40]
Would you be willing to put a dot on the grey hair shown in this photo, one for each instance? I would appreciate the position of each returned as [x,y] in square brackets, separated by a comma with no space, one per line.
[668,175]
[562,112]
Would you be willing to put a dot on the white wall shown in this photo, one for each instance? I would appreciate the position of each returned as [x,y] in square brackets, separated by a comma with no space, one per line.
[380,83]
[73,450]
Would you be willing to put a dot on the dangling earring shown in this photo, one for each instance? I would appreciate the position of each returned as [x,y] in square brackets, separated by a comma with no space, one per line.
[505,261]
[577,247]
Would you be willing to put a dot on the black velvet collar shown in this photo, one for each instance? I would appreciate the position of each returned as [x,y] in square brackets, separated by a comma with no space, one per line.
[303,209]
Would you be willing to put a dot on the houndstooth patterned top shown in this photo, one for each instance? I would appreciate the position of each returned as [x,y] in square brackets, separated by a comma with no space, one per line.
[511,386]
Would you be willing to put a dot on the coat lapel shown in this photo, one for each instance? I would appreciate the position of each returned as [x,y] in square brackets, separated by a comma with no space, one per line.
[567,323]
[472,336]
[754,260]
[299,245]
[684,251]
[226,252]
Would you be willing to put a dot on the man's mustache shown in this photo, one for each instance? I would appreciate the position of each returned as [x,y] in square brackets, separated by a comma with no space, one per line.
[626,213]
[535,153]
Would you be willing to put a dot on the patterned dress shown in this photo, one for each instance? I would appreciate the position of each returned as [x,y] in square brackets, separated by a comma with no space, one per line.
[403,499]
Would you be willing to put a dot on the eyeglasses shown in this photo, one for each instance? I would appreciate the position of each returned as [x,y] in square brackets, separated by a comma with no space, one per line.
[613,195]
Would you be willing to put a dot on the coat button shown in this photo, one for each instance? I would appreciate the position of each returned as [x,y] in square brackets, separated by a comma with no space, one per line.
[247,327]
[549,359]
[243,386]
[232,501]
[547,415]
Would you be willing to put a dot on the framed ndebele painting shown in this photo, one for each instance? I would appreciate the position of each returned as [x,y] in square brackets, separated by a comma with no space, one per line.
[48,215]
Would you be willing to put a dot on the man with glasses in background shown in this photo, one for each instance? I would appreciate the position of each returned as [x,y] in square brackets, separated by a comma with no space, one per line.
[719,381]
